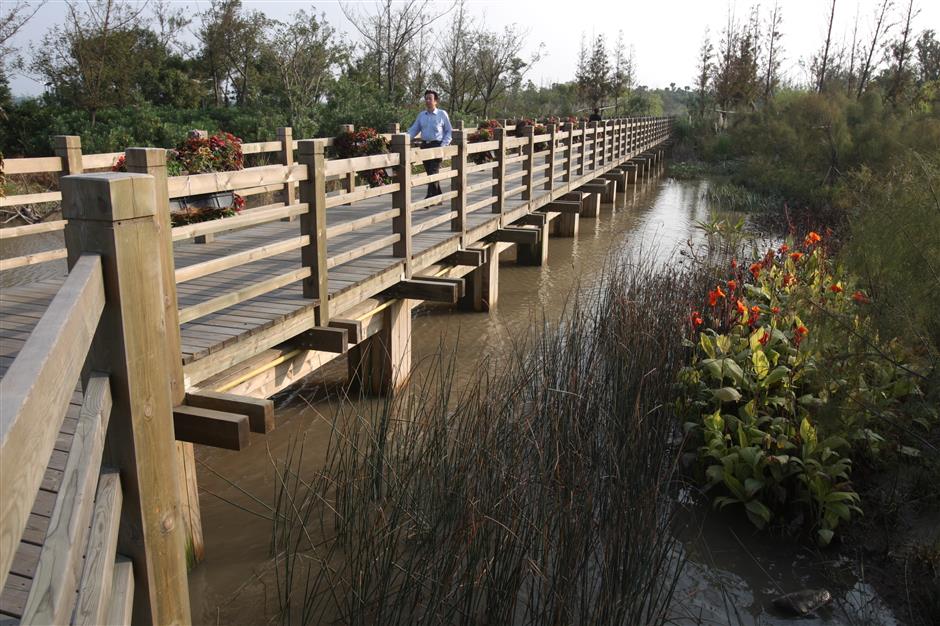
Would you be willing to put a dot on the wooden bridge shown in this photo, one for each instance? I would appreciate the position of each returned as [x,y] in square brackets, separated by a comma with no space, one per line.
[162,337]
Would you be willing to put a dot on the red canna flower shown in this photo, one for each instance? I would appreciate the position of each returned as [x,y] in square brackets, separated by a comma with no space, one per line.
[734,263]
[755,315]
[783,249]
[756,268]
[715,294]
[775,310]
[741,307]
[796,256]
[799,333]
[860,297]
[789,279]
[835,288]
[696,319]
[732,285]
[812,238]
[764,338]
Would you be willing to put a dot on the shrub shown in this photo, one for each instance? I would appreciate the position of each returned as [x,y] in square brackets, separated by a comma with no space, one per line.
[363,142]
[787,379]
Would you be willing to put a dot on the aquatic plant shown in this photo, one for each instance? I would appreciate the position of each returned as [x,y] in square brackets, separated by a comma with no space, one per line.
[537,494]
[787,378]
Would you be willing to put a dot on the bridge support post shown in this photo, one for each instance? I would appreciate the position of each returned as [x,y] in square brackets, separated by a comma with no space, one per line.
[483,284]
[566,225]
[113,215]
[382,363]
[152,161]
[534,253]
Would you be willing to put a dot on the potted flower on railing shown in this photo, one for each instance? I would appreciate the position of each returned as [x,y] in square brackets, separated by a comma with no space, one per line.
[201,153]
[538,129]
[486,131]
[350,144]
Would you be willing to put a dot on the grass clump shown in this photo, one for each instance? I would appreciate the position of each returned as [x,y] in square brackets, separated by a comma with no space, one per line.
[538,494]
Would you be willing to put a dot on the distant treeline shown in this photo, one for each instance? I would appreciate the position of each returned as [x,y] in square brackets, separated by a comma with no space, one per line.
[120,74]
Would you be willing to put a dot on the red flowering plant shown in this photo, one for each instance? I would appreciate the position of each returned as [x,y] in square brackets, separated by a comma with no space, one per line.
[363,142]
[782,387]
[538,129]
[486,131]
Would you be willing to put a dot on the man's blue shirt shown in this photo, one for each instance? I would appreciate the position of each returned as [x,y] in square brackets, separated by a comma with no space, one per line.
[433,126]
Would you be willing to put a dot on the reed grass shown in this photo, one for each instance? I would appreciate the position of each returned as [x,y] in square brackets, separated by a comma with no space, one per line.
[536,494]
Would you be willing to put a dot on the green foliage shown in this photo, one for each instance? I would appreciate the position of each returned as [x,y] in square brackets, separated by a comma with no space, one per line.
[787,380]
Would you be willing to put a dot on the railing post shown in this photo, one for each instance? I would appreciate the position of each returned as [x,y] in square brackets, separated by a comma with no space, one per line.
[600,153]
[595,148]
[152,161]
[459,183]
[550,159]
[69,149]
[351,176]
[285,134]
[113,215]
[569,146]
[528,132]
[581,159]
[312,153]
[394,129]
[499,172]
[401,200]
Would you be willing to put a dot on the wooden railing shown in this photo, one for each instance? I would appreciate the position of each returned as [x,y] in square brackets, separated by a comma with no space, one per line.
[115,532]
[593,144]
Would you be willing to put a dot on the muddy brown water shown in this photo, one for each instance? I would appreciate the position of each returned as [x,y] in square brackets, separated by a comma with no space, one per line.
[731,574]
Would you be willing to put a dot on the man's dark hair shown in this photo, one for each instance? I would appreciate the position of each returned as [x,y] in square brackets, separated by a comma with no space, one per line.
[434,93]
[597,110]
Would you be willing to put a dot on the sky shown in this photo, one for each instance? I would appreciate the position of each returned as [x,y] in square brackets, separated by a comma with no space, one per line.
[665,35]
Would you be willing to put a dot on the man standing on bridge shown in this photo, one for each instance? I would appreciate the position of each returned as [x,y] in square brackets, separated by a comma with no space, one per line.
[435,129]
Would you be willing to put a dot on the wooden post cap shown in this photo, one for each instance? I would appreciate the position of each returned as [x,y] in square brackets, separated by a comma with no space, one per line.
[108,197]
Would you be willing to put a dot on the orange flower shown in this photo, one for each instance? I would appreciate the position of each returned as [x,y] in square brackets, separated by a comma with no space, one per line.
[860,297]
[812,238]
[734,263]
[755,315]
[696,319]
[741,307]
[764,338]
[756,268]
[732,285]
[789,279]
[783,249]
[799,333]
[796,256]
[835,288]
[775,310]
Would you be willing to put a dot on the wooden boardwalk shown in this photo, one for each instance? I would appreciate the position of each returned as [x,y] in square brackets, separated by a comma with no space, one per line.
[361,263]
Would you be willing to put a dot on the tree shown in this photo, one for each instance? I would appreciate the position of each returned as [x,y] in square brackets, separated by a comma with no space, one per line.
[705,69]
[456,76]
[772,65]
[306,53]
[87,61]
[622,78]
[389,32]
[901,53]
[234,50]
[867,68]
[928,57]
[498,63]
[594,78]
[823,63]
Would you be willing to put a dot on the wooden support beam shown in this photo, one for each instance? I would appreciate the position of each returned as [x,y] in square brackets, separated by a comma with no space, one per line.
[516,235]
[473,257]
[382,363]
[354,330]
[207,427]
[425,288]
[260,411]
[567,224]
[324,339]
[535,253]
[563,206]
[532,219]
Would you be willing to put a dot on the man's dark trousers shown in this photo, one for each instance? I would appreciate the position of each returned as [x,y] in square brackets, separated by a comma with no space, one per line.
[432,166]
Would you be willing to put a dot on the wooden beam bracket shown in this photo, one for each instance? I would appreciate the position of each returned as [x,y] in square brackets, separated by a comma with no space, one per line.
[517,235]
[564,206]
[354,331]
[473,257]
[447,290]
[324,339]
[260,411]
[207,427]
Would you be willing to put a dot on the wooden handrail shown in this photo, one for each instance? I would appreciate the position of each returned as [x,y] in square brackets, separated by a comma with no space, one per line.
[35,394]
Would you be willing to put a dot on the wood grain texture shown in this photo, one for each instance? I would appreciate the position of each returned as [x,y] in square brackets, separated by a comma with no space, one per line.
[94,594]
